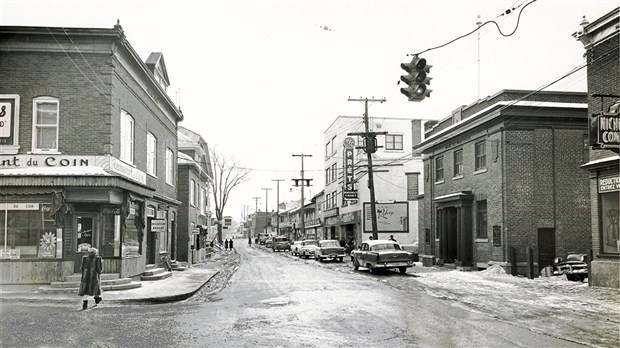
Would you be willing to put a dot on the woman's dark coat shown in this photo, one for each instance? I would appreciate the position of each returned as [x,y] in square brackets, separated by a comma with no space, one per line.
[91,270]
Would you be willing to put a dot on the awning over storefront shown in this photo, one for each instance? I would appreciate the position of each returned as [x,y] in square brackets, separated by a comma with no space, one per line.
[22,180]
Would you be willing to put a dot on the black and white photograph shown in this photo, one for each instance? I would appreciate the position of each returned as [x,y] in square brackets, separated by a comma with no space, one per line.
[309,173]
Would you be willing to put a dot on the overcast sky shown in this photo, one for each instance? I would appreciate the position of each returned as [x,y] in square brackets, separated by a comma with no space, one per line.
[262,80]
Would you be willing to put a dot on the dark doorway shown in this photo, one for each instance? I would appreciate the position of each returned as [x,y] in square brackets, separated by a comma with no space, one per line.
[451,235]
[86,234]
[151,243]
[546,247]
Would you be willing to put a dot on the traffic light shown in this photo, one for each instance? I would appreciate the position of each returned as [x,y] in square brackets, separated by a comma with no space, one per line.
[371,143]
[416,79]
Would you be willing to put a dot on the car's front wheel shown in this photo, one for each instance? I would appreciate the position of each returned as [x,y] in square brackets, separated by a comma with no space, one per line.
[356,265]
[402,270]
[372,268]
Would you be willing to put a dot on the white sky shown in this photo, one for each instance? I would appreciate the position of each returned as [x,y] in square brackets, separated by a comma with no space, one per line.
[262,80]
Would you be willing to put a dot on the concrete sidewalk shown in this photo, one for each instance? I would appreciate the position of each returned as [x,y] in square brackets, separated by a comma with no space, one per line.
[179,286]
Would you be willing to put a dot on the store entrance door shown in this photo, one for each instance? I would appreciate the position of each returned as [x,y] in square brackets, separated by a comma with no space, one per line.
[86,233]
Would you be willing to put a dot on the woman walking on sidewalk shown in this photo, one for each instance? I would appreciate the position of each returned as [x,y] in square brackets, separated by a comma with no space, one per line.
[90,284]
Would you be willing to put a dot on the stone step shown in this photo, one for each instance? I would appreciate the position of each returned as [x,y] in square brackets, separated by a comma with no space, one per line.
[76,277]
[110,287]
[157,276]
[117,281]
[153,272]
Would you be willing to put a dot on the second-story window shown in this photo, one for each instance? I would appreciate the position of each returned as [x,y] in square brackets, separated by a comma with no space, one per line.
[45,124]
[151,154]
[439,169]
[393,142]
[192,192]
[481,156]
[458,162]
[169,167]
[127,137]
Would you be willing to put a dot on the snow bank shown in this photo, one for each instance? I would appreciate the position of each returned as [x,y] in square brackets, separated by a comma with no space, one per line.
[494,271]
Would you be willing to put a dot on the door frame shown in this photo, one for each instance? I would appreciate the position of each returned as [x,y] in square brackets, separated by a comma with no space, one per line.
[94,238]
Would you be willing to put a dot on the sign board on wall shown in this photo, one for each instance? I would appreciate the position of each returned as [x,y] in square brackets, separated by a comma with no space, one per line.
[391,217]
[609,183]
[158,225]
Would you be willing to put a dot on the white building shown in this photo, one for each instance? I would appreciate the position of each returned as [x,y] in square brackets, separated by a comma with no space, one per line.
[397,176]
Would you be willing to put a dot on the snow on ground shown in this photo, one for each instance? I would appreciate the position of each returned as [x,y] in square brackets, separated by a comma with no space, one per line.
[562,308]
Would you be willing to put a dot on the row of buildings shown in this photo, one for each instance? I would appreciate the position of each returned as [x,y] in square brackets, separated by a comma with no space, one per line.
[92,153]
[516,179]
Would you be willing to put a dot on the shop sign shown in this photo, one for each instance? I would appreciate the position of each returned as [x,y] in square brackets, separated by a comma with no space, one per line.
[349,191]
[47,161]
[127,171]
[332,221]
[609,183]
[195,230]
[19,206]
[604,130]
[349,218]
[158,225]
[391,217]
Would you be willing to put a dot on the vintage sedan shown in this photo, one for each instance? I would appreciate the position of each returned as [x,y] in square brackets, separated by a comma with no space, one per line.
[329,249]
[575,267]
[382,254]
[308,248]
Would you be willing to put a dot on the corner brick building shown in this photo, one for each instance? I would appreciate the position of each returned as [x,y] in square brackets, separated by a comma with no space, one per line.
[502,181]
[88,154]
[600,39]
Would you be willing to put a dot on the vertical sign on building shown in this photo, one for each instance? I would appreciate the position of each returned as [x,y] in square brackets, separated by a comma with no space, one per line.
[349,169]
[9,122]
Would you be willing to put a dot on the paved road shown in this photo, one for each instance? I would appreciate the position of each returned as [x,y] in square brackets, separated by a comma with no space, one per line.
[272,301]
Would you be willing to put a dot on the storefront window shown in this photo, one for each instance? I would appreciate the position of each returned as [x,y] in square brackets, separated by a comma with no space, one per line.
[27,232]
[131,244]
[610,213]
[110,242]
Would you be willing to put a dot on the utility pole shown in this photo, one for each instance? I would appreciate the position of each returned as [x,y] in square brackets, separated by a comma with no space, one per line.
[245,216]
[266,206]
[370,138]
[303,180]
[256,216]
[478,23]
[277,205]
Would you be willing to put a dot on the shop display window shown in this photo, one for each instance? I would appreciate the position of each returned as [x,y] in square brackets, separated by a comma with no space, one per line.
[131,243]
[110,237]
[610,214]
[27,232]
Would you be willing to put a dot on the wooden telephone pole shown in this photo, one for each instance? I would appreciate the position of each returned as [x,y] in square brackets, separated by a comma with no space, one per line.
[370,148]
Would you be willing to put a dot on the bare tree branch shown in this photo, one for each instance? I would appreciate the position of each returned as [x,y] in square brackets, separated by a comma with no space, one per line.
[227,174]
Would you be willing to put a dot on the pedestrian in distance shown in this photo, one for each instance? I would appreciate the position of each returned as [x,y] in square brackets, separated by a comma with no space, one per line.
[90,283]
[230,244]
[226,244]
[392,238]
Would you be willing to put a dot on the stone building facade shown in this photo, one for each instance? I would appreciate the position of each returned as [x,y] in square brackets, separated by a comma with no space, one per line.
[501,177]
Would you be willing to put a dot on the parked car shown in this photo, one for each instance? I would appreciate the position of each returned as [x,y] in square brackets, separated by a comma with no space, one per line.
[262,237]
[382,254]
[280,243]
[575,266]
[308,248]
[295,247]
[412,248]
[268,242]
[329,249]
